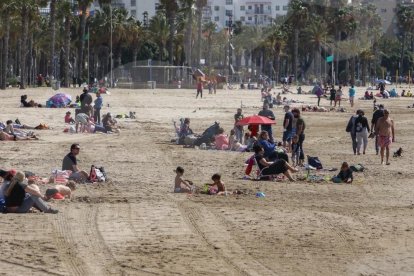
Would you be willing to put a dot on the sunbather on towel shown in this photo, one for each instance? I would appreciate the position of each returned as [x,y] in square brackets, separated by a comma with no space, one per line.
[64,190]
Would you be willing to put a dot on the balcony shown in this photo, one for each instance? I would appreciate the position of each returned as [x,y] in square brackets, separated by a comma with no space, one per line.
[258,12]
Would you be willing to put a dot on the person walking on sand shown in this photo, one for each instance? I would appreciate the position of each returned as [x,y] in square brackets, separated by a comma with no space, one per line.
[338,96]
[238,129]
[361,132]
[386,135]
[332,95]
[352,93]
[351,129]
[378,113]
[199,89]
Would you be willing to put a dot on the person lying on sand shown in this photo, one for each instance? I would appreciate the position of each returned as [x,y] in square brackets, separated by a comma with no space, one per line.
[8,137]
[181,185]
[63,190]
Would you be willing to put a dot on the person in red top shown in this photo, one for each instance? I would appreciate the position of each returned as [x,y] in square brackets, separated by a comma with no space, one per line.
[68,118]
[199,89]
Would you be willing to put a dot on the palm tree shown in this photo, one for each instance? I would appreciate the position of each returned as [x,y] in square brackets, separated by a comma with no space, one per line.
[7,8]
[160,31]
[187,8]
[209,29]
[200,4]
[170,8]
[316,35]
[83,6]
[405,15]
[52,26]
[65,11]
[298,15]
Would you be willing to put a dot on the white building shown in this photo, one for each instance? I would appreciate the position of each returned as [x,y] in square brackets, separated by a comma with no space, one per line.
[249,12]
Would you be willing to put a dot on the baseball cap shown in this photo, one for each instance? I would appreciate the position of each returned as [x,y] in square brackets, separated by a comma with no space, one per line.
[74,146]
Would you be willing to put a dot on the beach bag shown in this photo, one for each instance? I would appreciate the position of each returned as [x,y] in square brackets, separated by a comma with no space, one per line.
[357,168]
[96,175]
[315,162]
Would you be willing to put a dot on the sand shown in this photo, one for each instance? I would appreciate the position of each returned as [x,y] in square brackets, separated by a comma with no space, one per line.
[135,225]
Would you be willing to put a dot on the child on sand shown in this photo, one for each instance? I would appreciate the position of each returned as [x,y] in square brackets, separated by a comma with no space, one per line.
[217,187]
[63,190]
[345,175]
[181,185]
[295,150]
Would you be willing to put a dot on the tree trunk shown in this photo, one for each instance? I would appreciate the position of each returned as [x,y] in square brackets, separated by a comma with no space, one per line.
[188,39]
[81,62]
[401,65]
[53,36]
[23,56]
[199,17]
[171,22]
[66,54]
[1,61]
[295,54]
[277,67]
[353,64]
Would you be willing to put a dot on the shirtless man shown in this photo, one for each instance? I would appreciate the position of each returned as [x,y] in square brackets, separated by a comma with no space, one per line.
[384,128]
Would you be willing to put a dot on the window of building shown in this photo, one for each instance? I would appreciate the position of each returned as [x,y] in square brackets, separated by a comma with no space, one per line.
[216,8]
[134,13]
[229,13]
[277,8]
[383,10]
[157,5]
[133,3]
[216,18]
[249,7]
[285,8]
[242,8]
[242,18]
[269,8]
[249,18]
[229,2]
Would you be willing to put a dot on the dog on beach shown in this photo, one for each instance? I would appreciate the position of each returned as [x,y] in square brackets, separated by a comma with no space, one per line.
[398,153]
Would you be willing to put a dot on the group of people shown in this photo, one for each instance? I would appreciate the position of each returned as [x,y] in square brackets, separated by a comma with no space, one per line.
[88,116]
[14,132]
[19,193]
[382,129]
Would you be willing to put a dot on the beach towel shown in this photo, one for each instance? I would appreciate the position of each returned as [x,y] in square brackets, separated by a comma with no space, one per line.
[60,176]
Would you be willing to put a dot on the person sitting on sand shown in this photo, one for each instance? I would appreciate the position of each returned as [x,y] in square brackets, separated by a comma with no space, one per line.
[68,118]
[234,144]
[272,168]
[20,197]
[63,190]
[345,175]
[181,185]
[217,187]
[271,151]
[109,123]
[70,163]
[221,140]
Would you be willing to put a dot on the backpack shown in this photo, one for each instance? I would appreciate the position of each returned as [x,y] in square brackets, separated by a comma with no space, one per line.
[3,207]
[97,174]
[315,162]
[357,168]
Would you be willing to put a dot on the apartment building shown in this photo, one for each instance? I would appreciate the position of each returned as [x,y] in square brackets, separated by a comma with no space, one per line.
[249,12]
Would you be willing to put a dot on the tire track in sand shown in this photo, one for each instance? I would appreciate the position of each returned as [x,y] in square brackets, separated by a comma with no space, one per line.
[65,246]
[219,239]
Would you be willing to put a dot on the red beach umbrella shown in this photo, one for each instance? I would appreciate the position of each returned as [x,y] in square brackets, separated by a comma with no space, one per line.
[255,120]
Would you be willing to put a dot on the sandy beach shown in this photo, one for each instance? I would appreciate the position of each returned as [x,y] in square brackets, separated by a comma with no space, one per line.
[135,225]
